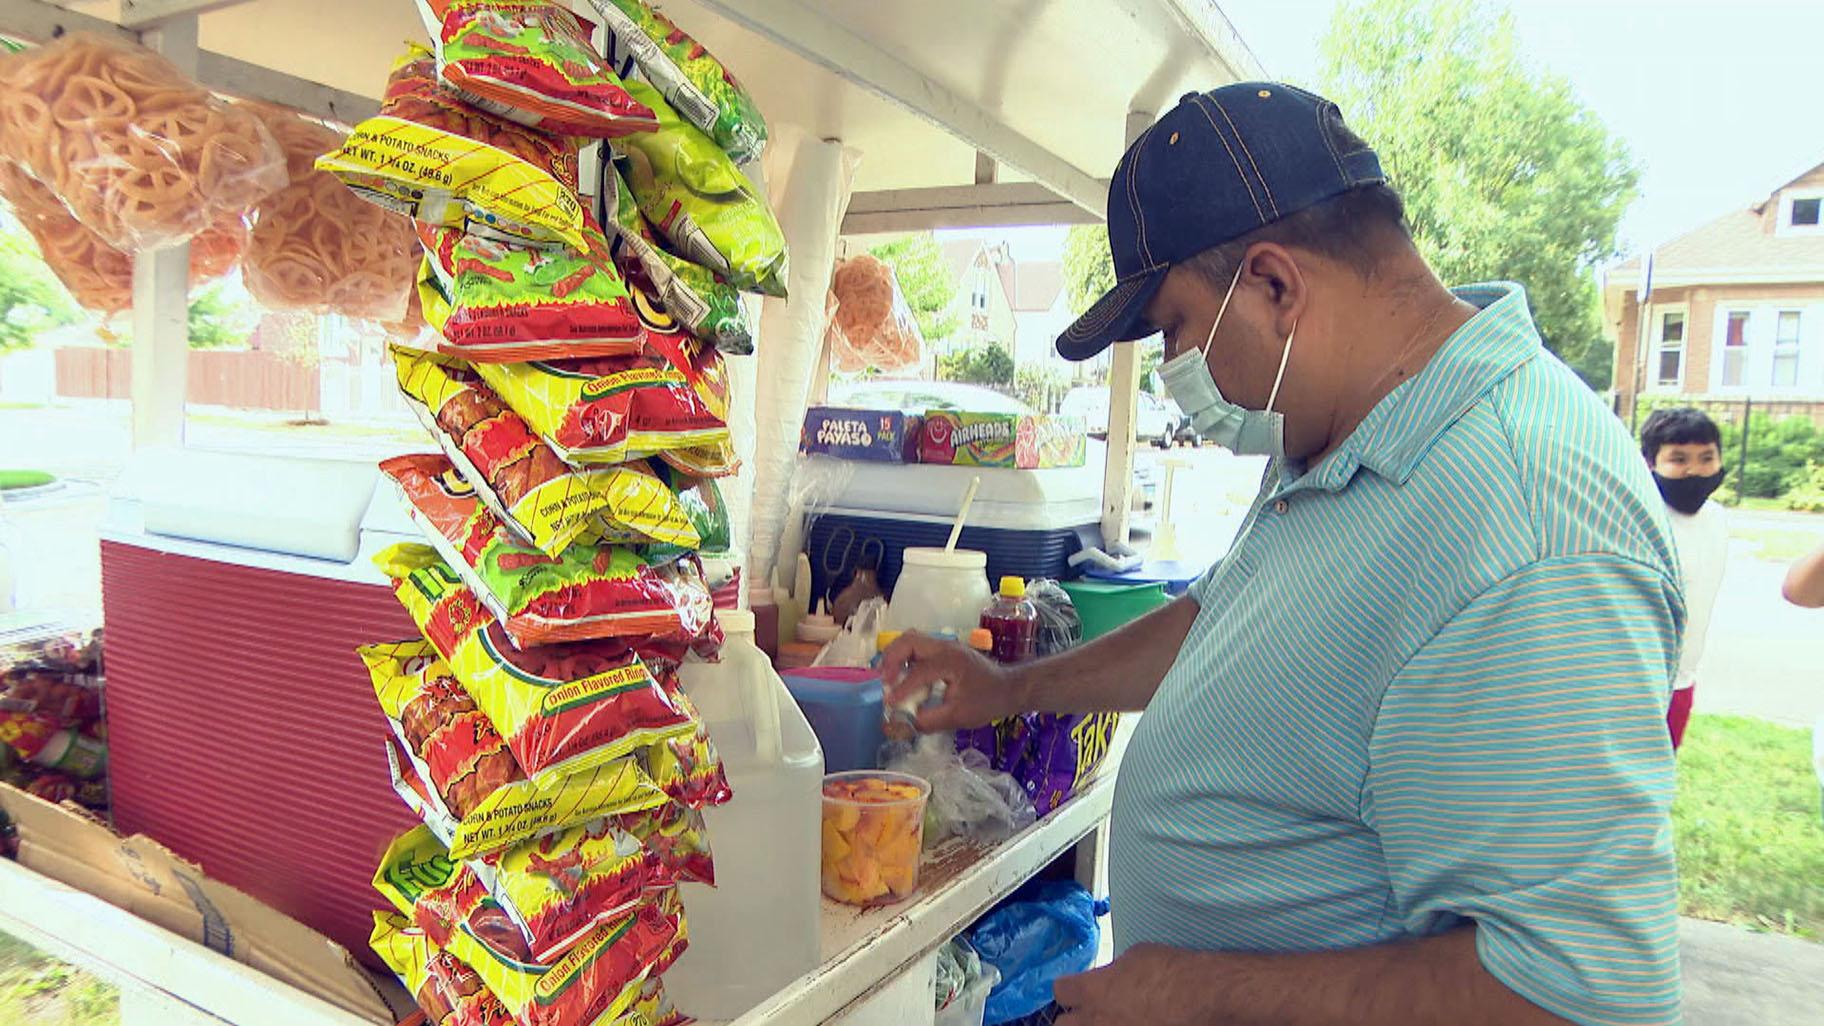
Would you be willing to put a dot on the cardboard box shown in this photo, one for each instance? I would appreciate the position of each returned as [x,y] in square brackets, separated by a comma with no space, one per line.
[1011,440]
[876,436]
[139,875]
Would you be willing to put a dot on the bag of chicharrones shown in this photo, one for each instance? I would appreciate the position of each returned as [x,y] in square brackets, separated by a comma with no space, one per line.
[141,154]
[871,326]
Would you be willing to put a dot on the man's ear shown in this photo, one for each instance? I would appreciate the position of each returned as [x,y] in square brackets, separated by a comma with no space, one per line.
[1270,268]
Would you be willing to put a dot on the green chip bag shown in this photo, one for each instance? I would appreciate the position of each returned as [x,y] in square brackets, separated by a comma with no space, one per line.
[689,77]
[700,202]
[709,308]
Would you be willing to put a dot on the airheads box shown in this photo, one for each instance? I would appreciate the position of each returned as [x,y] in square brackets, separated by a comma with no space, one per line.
[1011,440]
[879,436]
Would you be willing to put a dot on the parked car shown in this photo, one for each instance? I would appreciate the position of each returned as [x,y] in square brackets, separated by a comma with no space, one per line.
[918,396]
[1153,421]
[1186,433]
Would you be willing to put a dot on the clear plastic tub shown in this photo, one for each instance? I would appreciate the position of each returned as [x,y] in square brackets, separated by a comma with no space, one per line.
[873,832]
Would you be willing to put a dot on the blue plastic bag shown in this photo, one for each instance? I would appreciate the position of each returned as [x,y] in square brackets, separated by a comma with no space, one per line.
[1048,931]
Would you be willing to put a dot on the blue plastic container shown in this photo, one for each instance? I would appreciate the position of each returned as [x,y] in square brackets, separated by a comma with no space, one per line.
[844,707]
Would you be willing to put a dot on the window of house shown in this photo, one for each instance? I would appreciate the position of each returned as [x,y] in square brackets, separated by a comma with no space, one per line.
[1735,348]
[1786,349]
[1670,371]
[1806,212]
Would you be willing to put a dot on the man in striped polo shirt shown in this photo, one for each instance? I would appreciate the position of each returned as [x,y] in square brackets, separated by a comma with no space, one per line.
[1404,759]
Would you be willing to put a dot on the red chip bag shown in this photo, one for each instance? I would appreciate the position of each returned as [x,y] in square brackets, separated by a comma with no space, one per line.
[597,979]
[495,302]
[676,845]
[429,155]
[590,591]
[531,61]
[561,885]
[686,766]
[542,499]
[562,708]
[673,396]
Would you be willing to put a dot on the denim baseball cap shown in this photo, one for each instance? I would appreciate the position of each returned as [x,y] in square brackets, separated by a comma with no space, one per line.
[1216,167]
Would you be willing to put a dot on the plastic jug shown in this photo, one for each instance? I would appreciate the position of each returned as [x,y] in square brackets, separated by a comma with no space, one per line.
[940,590]
[757,930]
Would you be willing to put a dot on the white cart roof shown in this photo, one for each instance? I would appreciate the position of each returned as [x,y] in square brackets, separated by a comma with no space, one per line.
[1042,86]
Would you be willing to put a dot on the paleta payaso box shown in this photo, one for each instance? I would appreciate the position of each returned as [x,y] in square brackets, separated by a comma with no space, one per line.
[877,436]
[1012,440]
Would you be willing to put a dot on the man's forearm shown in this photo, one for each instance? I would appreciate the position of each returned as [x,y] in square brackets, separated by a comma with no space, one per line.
[1115,673]
[1436,980]
[1805,581]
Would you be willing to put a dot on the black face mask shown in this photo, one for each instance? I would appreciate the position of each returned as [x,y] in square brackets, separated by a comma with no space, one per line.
[1687,494]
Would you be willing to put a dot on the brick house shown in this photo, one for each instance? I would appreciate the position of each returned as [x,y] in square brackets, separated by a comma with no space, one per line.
[1735,310]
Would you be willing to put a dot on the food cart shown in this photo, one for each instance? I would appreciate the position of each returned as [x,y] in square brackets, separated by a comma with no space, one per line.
[887,117]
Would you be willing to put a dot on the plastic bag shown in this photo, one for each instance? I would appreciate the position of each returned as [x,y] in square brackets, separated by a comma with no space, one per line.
[429,155]
[708,307]
[530,62]
[689,77]
[701,201]
[1060,628]
[1046,932]
[959,969]
[968,798]
[318,248]
[142,156]
[494,302]
[540,498]
[856,645]
[871,326]
[675,842]
[98,276]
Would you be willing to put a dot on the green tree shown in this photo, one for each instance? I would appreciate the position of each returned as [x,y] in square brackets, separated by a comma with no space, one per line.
[1505,172]
[987,364]
[31,299]
[926,281]
[1039,386]
[218,323]
[1088,269]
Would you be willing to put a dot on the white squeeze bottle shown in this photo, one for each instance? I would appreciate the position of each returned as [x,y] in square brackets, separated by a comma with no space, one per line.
[757,929]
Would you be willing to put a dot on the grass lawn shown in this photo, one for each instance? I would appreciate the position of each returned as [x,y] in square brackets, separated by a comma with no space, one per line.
[1747,827]
[43,991]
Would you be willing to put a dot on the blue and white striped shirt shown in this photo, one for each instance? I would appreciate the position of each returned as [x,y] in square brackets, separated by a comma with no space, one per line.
[1427,684]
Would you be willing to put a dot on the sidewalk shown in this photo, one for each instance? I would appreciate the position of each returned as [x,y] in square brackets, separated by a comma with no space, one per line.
[1734,977]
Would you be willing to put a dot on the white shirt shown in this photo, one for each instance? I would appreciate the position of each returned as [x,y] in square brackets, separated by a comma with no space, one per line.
[1703,550]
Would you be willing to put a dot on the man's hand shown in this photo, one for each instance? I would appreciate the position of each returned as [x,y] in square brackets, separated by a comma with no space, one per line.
[1151,984]
[977,691]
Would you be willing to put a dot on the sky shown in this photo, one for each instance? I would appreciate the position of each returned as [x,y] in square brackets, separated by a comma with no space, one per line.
[1720,101]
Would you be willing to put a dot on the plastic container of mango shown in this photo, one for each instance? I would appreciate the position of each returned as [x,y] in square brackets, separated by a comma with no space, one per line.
[873,831]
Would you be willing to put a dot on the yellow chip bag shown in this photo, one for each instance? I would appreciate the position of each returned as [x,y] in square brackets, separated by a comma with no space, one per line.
[561,885]
[541,499]
[431,156]
[409,954]
[563,708]
[473,804]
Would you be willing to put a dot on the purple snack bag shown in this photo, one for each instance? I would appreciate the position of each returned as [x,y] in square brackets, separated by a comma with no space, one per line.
[1058,754]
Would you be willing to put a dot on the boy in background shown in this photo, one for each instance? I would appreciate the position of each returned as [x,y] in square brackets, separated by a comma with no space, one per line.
[1685,451]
